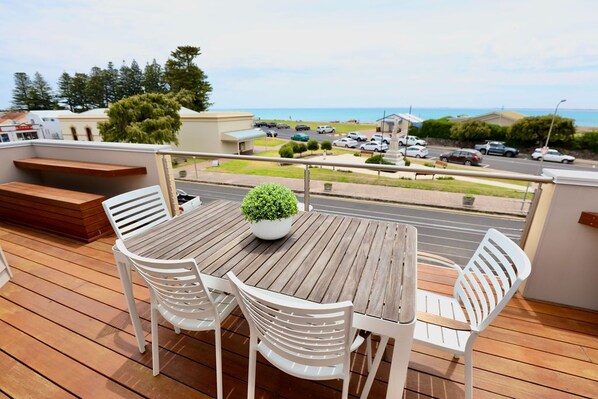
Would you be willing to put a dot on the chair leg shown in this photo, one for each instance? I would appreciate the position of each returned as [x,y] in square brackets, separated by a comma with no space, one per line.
[374,368]
[218,341]
[155,345]
[346,385]
[252,364]
[469,374]
[368,352]
[177,330]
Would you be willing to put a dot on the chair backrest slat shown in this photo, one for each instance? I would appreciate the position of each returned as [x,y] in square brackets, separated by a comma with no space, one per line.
[310,334]
[175,284]
[491,278]
[135,211]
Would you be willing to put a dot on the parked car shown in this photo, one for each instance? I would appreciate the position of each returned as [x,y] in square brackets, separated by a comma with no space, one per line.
[271,133]
[464,156]
[412,140]
[283,126]
[325,129]
[345,142]
[300,137]
[260,124]
[496,148]
[382,138]
[375,146]
[552,156]
[357,136]
[301,127]
[271,124]
[416,151]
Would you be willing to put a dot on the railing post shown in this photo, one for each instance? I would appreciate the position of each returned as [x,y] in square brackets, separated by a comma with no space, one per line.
[306,188]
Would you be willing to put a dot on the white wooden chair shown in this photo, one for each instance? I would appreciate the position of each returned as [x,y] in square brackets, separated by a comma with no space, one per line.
[5,272]
[482,289]
[135,211]
[178,293]
[301,338]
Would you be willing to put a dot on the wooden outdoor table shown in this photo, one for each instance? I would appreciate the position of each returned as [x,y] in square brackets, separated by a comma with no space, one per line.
[325,258]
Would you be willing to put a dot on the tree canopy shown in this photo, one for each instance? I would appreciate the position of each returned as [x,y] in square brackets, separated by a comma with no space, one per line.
[151,118]
[181,73]
[471,131]
[534,129]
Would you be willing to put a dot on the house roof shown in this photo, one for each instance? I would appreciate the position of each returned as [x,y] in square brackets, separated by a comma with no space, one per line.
[408,117]
[242,135]
[510,115]
[13,118]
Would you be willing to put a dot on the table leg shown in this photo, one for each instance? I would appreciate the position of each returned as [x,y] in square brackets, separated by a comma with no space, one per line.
[124,272]
[400,362]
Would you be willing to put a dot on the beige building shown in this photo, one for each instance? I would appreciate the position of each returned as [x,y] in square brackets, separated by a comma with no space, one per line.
[218,132]
[501,118]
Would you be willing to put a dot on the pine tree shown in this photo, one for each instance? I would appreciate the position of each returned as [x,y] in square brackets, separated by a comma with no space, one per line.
[41,94]
[65,90]
[130,80]
[21,94]
[111,84]
[181,73]
[153,78]
[79,92]
[151,118]
[96,88]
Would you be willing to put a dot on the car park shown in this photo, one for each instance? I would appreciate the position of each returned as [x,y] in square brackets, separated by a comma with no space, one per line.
[415,151]
[552,156]
[271,133]
[282,126]
[412,140]
[300,137]
[381,138]
[464,156]
[325,129]
[375,146]
[301,127]
[345,142]
[357,136]
[496,148]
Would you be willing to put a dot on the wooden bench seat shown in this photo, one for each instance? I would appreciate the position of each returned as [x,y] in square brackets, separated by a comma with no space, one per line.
[79,168]
[68,213]
[437,164]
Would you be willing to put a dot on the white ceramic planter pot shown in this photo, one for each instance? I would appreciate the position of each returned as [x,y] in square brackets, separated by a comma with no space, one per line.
[272,229]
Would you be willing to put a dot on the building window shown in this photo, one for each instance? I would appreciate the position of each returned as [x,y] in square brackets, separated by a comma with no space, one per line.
[74,133]
[89,134]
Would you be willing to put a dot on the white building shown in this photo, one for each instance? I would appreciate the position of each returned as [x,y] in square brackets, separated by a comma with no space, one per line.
[48,119]
[219,132]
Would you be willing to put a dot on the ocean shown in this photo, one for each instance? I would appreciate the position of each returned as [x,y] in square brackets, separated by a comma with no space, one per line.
[582,117]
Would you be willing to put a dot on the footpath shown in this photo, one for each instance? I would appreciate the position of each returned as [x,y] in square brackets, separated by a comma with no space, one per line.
[437,199]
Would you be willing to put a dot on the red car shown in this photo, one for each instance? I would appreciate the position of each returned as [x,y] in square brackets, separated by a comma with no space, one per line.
[464,156]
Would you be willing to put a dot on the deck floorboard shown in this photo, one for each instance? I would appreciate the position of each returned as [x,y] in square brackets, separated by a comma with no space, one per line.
[65,304]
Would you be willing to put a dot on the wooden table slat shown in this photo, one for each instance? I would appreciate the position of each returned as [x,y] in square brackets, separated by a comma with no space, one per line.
[79,168]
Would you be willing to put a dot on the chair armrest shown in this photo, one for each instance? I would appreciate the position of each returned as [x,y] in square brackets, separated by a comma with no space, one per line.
[443,321]
[437,259]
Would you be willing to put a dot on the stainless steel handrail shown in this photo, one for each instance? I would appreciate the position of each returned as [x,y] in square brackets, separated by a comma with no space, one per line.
[420,170]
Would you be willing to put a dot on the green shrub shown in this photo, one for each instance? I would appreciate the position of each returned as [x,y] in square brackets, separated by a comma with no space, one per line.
[269,201]
[445,178]
[430,165]
[286,152]
[326,145]
[313,145]
[586,141]
[378,159]
[437,128]
[407,162]
[498,133]
[471,131]
[299,148]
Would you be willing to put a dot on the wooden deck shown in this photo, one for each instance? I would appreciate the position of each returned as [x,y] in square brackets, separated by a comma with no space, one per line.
[64,332]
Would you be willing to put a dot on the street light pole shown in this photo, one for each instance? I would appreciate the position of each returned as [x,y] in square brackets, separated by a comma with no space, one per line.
[545,149]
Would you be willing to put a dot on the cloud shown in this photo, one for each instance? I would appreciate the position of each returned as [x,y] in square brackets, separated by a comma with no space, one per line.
[324,54]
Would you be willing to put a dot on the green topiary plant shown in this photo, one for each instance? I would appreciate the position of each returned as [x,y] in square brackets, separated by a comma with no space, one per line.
[269,201]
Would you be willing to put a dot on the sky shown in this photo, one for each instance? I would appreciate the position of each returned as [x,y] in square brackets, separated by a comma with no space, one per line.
[328,53]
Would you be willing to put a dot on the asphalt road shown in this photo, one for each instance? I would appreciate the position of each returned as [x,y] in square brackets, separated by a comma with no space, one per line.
[521,164]
[452,234]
